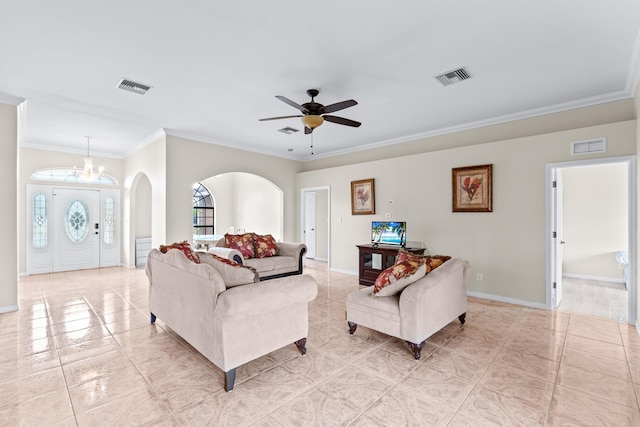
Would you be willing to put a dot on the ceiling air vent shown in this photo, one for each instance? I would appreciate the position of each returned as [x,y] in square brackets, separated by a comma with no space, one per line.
[591,146]
[138,88]
[453,76]
[288,130]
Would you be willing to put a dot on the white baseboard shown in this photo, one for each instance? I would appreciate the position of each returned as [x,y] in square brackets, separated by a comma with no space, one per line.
[597,278]
[8,308]
[507,300]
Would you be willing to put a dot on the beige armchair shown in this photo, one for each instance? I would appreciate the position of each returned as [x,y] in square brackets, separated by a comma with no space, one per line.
[420,310]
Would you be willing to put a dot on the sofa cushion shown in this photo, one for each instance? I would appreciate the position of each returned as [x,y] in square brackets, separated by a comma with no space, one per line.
[397,277]
[233,274]
[241,242]
[265,246]
[272,263]
[435,261]
[184,247]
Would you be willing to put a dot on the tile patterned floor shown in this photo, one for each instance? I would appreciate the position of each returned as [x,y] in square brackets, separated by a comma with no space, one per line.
[81,352]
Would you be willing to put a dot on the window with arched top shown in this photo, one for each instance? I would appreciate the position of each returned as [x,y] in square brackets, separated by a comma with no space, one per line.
[202,210]
[71,176]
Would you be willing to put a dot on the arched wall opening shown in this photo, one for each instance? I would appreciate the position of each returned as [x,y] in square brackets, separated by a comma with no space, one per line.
[244,201]
[140,213]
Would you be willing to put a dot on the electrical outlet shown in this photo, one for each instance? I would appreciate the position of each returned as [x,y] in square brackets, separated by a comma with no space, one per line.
[339,220]
[387,215]
[479,277]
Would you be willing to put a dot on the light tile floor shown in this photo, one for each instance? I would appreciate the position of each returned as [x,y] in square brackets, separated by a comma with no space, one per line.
[81,352]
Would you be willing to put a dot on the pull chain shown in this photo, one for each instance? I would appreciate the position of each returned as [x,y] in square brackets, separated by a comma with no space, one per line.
[312,143]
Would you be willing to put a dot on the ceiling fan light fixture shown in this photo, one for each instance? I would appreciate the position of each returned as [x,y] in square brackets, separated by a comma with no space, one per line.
[312,121]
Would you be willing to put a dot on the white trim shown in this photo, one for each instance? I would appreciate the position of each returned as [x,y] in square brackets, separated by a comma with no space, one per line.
[633,226]
[508,300]
[527,114]
[597,278]
[633,74]
[9,308]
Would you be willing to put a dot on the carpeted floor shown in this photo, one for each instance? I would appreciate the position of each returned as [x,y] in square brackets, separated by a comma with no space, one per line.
[605,299]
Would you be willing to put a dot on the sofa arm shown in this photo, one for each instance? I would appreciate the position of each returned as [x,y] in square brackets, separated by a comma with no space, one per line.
[230,254]
[259,298]
[291,249]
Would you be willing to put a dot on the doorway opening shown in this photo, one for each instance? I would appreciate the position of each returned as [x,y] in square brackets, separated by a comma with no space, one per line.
[315,226]
[591,237]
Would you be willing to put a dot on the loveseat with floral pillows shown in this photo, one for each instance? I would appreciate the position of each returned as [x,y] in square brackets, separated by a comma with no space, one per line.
[271,259]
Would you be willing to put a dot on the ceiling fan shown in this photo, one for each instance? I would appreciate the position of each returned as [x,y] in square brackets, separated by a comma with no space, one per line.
[314,114]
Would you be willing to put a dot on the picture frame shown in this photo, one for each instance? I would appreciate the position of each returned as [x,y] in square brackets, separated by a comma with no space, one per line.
[472,188]
[363,197]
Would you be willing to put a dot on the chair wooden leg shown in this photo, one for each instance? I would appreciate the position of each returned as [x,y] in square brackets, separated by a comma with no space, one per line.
[416,348]
[462,318]
[229,379]
[352,327]
[302,345]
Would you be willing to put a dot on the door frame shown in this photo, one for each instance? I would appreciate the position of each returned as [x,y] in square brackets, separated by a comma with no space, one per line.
[303,199]
[550,169]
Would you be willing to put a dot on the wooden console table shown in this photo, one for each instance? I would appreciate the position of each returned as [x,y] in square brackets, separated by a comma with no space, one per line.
[374,259]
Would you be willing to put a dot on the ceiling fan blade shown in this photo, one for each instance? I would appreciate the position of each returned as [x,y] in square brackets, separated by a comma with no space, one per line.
[342,121]
[293,104]
[338,106]
[278,118]
[307,130]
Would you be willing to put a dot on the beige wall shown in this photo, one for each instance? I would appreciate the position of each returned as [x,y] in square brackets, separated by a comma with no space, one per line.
[9,213]
[191,161]
[595,220]
[507,246]
[149,161]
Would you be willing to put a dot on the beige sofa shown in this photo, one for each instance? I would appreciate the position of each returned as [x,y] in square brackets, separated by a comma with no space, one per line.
[287,262]
[417,312]
[230,326]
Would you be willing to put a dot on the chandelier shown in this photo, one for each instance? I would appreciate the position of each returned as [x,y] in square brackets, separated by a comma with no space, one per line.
[87,173]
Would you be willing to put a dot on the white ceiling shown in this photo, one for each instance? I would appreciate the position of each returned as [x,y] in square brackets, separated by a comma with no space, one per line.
[216,66]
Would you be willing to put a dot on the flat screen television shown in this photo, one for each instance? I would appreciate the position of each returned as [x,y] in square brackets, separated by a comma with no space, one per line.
[389,233]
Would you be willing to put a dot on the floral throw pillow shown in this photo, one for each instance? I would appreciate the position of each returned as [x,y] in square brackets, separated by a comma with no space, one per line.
[264,246]
[185,247]
[242,243]
[435,261]
[414,259]
[397,277]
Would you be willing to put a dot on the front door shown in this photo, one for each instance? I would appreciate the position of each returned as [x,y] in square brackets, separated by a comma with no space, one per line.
[76,229]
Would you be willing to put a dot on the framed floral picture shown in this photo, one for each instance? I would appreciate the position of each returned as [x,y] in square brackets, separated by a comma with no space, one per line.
[363,197]
[472,188]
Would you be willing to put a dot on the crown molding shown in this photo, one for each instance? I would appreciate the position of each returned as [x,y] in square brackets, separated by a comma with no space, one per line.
[10,99]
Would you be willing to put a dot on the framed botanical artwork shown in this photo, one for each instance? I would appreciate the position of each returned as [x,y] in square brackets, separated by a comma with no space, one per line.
[472,188]
[363,197]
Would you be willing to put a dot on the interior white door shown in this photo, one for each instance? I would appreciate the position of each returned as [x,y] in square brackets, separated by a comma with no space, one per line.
[557,237]
[310,223]
[76,229]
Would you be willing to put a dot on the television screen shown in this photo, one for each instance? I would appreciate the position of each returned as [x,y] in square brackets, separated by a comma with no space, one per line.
[389,232]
